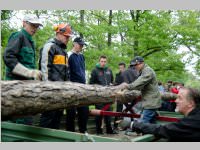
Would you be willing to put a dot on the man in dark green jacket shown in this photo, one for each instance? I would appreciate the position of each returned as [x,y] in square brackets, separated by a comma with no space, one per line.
[19,55]
[147,84]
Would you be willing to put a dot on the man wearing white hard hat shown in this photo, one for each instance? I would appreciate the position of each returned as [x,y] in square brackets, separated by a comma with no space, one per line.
[19,55]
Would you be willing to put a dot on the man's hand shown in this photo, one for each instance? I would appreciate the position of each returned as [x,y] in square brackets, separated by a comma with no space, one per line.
[125,124]
[123,86]
[26,72]
[36,74]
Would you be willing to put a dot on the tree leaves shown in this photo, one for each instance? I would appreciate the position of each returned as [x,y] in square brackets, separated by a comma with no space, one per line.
[121,34]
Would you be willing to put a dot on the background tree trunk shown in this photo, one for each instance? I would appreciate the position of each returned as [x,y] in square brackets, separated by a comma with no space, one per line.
[110,24]
[32,97]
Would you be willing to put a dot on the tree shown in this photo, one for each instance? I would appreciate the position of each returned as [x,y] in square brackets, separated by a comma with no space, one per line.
[156,35]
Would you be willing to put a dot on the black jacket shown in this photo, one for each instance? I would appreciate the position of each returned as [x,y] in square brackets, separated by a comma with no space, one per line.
[101,76]
[186,130]
[54,61]
[118,78]
[129,75]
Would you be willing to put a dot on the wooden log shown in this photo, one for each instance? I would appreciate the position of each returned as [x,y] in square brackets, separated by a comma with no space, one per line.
[32,97]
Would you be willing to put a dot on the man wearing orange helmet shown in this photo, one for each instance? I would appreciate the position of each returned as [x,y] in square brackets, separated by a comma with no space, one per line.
[54,66]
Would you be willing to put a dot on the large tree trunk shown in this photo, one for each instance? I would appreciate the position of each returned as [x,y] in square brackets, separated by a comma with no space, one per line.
[32,97]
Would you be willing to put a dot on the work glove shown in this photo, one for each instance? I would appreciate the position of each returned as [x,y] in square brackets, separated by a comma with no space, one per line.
[25,72]
[126,124]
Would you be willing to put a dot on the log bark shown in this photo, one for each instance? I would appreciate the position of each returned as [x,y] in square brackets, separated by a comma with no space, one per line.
[32,97]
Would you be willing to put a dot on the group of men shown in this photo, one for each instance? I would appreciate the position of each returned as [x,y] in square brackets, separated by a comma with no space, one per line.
[56,64]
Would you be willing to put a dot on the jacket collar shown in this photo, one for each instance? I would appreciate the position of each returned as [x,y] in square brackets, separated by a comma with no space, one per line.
[98,66]
[194,111]
[59,43]
[27,34]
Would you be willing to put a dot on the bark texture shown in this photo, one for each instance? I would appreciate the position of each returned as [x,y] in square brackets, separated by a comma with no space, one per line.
[32,97]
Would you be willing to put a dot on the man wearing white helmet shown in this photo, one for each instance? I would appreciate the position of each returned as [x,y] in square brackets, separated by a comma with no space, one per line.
[19,55]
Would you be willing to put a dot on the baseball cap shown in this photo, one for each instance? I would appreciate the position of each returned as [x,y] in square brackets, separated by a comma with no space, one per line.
[80,41]
[32,19]
[136,60]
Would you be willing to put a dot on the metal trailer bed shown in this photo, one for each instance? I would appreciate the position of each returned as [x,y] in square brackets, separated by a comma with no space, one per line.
[12,132]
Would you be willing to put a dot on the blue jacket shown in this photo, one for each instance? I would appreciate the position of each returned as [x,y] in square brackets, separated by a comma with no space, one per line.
[76,63]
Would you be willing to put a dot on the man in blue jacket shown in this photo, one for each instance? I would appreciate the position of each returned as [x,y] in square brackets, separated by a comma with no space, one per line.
[76,63]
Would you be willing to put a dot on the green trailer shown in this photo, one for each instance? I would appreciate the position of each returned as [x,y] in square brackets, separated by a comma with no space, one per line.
[12,132]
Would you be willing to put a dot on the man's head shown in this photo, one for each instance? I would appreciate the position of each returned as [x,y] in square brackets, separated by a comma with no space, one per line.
[63,32]
[102,61]
[31,23]
[122,67]
[187,100]
[78,44]
[137,62]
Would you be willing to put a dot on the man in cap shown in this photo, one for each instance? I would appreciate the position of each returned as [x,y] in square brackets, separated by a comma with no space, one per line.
[185,130]
[147,84]
[77,74]
[19,55]
[54,66]
[125,75]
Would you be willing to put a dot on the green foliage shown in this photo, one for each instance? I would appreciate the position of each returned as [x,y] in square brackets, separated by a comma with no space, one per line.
[5,14]
[192,81]
[156,35]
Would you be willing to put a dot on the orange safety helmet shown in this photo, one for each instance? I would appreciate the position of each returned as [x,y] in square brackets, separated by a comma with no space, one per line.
[65,29]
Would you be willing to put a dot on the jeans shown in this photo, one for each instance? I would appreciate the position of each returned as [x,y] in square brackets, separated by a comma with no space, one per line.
[148,116]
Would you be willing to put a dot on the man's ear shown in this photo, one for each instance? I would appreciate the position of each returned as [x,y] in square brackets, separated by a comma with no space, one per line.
[192,104]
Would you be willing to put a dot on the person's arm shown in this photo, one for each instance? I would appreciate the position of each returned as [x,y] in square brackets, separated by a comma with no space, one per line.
[141,81]
[46,60]
[112,79]
[93,78]
[176,131]
[12,50]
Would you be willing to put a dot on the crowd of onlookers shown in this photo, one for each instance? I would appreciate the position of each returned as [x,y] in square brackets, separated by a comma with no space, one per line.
[173,87]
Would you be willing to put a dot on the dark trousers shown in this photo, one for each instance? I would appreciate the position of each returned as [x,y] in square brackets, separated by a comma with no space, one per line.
[119,109]
[83,113]
[107,120]
[51,119]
